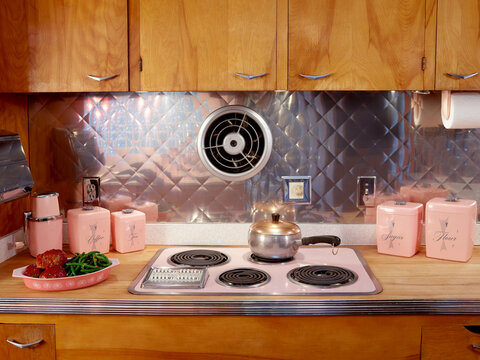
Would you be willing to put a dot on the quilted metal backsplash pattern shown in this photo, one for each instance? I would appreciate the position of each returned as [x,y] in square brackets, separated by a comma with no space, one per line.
[142,146]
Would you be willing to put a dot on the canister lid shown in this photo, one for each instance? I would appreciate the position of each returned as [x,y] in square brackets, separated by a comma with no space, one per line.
[47,194]
[88,208]
[400,207]
[446,205]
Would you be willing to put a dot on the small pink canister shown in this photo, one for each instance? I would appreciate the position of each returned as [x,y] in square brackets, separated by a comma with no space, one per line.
[399,228]
[128,230]
[450,228]
[43,234]
[43,225]
[89,229]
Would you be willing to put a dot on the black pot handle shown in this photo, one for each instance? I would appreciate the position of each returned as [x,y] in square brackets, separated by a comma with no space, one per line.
[327,239]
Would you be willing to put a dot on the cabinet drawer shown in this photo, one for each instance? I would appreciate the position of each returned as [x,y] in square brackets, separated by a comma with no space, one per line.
[24,334]
[451,342]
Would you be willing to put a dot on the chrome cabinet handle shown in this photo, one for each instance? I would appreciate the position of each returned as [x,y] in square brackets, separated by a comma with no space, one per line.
[23,346]
[475,347]
[314,77]
[250,77]
[468,76]
[101,78]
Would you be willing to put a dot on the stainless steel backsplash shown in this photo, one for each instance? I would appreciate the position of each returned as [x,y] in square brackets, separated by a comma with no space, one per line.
[142,146]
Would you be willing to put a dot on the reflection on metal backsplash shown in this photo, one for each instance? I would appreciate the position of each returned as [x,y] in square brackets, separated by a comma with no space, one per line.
[142,146]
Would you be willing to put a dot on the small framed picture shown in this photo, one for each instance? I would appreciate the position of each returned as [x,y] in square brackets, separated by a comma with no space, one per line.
[297,189]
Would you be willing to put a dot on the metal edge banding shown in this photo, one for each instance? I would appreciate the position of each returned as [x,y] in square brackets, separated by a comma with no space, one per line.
[141,275]
[235,307]
[373,278]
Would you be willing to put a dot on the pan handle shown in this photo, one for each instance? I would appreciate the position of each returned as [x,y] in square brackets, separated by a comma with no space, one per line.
[327,239]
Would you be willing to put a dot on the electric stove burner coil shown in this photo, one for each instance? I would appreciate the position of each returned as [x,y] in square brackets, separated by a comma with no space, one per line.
[260,260]
[243,277]
[322,276]
[199,258]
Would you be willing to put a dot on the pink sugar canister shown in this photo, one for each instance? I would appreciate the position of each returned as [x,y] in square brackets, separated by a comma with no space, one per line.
[399,228]
[128,230]
[450,228]
[89,229]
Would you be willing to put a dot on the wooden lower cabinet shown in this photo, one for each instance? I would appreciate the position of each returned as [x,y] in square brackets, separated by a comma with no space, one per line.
[38,341]
[117,337]
[451,342]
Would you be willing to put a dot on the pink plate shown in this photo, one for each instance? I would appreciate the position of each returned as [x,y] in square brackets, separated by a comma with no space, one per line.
[65,283]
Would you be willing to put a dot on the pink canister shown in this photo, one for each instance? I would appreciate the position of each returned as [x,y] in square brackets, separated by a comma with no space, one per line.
[89,229]
[128,230]
[399,228]
[45,205]
[44,224]
[43,234]
[450,228]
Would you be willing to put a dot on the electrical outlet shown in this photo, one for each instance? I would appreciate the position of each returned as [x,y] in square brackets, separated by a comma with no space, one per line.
[366,186]
[91,191]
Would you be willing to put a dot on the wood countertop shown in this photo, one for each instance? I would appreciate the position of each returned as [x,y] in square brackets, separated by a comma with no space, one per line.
[416,285]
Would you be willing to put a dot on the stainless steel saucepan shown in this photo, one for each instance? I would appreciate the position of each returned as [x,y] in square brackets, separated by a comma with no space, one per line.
[278,239]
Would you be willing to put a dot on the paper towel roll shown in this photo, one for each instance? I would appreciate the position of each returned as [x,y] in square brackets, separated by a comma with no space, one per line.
[460,110]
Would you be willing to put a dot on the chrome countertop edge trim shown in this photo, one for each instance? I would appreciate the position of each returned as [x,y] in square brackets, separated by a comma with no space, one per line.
[244,308]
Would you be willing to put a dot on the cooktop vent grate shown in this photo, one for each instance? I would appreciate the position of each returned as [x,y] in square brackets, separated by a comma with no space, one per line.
[234,143]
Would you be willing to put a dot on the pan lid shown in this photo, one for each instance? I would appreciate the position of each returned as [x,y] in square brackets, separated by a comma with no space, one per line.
[275,226]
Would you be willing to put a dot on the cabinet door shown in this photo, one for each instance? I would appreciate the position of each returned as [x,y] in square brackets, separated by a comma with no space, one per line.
[356,44]
[458,44]
[202,45]
[70,40]
[14,47]
[450,342]
[38,341]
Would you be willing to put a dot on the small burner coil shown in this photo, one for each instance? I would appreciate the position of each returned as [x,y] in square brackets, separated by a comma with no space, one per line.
[243,277]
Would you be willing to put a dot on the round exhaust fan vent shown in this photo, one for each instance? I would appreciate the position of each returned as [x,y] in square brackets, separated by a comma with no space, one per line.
[234,143]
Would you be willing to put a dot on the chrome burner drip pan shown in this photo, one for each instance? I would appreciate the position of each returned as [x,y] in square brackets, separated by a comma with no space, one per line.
[221,278]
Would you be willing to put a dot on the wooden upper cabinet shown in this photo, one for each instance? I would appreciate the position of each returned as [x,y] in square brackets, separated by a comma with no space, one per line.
[69,40]
[202,45]
[458,44]
[356,44]
[14,47]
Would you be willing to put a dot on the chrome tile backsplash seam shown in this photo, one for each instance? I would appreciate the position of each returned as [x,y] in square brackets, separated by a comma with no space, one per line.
[142,146]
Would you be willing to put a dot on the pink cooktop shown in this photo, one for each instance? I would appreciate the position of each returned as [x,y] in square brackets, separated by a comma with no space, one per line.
[276,279]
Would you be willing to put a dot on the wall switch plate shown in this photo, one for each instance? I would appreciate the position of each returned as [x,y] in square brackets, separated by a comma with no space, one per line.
[366,187]
[297,189]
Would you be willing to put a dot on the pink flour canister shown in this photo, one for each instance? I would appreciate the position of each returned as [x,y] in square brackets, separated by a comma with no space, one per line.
[450,228]
[43,225]
[399,228]
[128,230]
[89,229]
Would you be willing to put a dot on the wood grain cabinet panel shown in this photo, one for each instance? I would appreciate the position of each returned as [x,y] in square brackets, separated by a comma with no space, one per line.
[14,47]
[458,44]
[43,335]
[450,342]
[359,44]
[69,40]
[201,45]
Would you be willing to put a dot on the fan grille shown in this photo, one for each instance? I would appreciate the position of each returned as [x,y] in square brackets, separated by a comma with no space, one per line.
[235,143]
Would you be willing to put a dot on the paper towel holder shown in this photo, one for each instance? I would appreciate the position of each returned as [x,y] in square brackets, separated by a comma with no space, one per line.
[446,103]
